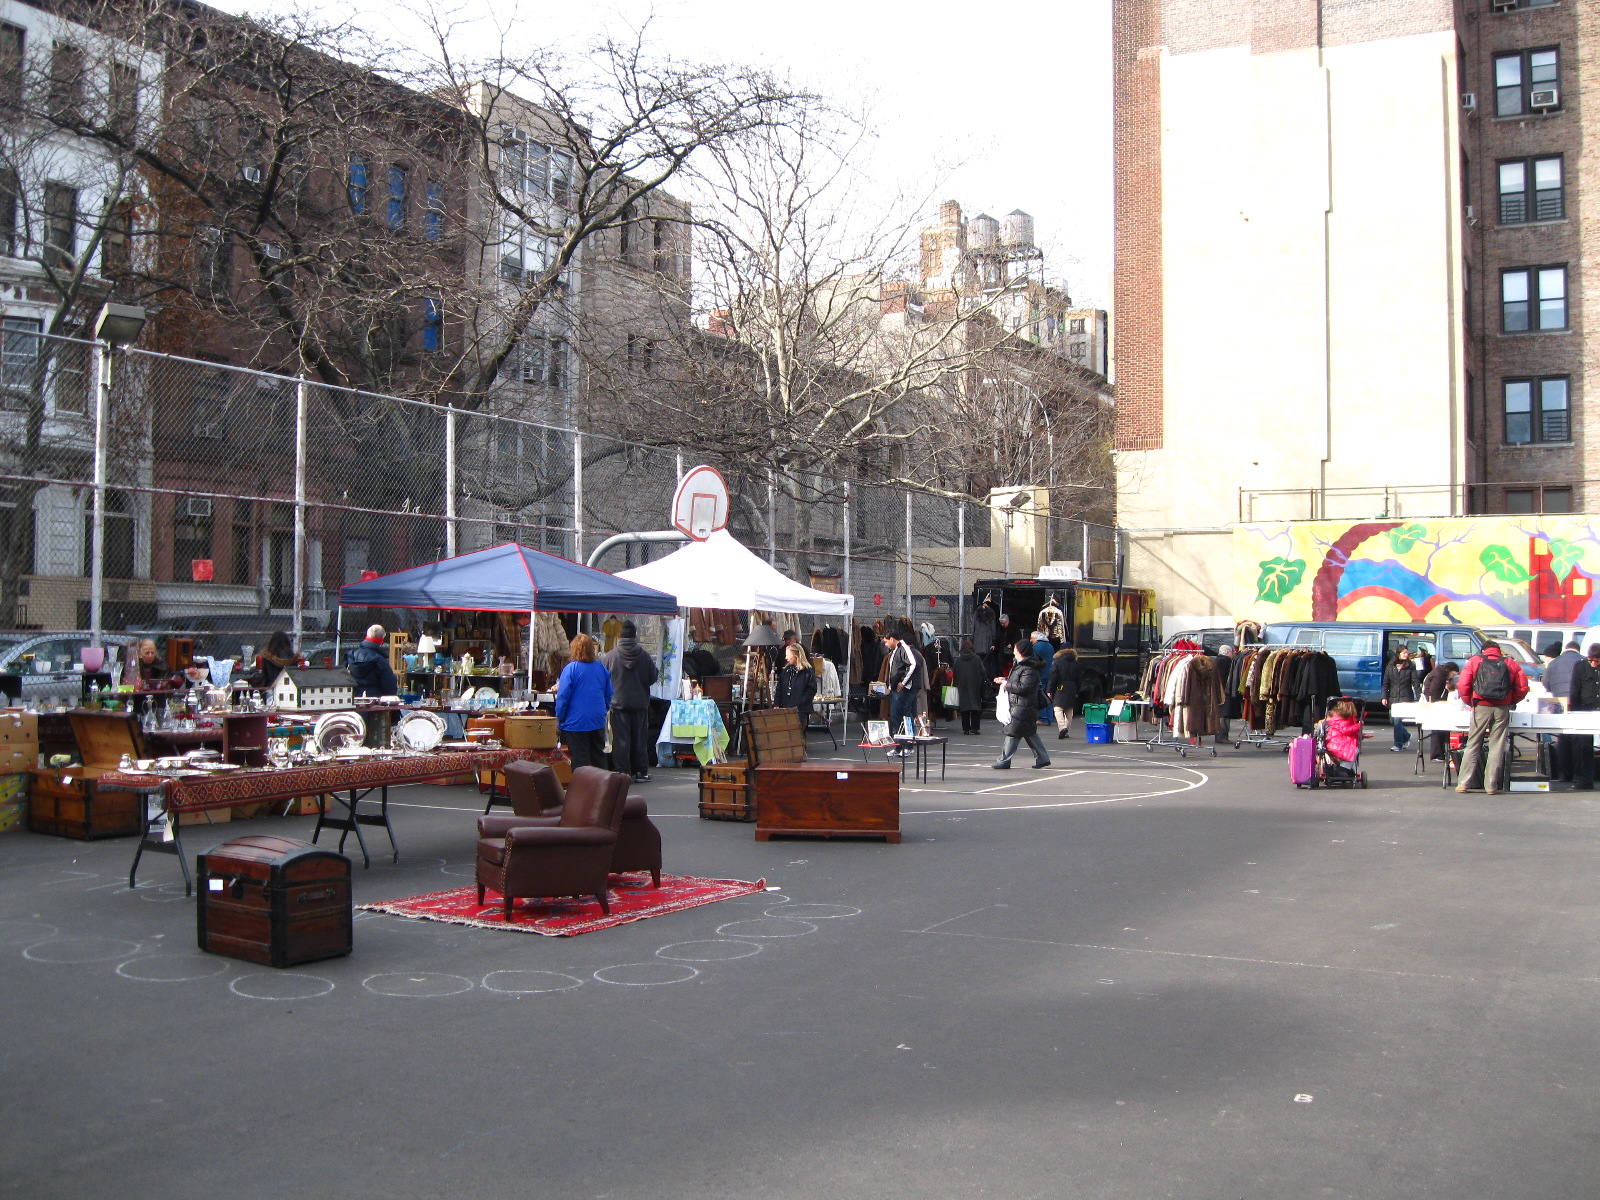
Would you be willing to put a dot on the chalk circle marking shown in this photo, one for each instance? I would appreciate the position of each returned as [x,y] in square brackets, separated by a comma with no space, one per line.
[32,932]
[420,985]
[709,950]
[766,927]
[646,974]
[528,983]
[812,912]
[85,949]
[280,985]
[171,968]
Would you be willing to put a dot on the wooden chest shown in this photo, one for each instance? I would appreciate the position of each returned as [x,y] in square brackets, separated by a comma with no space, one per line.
[68,802]
[274,900]
[725,792]
[826,799]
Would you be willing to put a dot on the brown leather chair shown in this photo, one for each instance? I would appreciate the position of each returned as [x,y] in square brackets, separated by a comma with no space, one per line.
[536,793]
[569,855]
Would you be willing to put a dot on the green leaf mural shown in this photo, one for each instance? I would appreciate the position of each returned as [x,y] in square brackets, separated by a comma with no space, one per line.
[1564,555]
[1497,560]
[1279,577]
[1406,536]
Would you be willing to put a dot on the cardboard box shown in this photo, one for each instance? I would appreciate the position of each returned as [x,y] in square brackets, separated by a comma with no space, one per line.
[306,806]
[531,733]
[19,726]
[13,802]
[210,816]
[16,757]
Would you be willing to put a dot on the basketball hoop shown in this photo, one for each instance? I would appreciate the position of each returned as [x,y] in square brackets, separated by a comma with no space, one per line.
[700,505]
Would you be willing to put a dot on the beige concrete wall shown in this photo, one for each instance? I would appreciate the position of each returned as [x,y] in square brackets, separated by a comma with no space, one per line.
[1191,574]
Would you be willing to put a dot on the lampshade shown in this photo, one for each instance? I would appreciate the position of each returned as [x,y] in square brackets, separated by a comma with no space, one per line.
[763,635]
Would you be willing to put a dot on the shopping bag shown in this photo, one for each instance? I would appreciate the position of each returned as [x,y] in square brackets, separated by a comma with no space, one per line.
[952,696]
[1002,706]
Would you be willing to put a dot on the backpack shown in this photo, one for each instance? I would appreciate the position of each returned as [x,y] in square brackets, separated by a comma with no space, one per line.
[1492,680]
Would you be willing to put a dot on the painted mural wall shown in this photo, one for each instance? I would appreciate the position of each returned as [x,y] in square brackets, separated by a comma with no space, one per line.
[1473,570]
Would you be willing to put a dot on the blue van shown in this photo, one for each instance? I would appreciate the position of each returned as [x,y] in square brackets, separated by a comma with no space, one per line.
[1361,649]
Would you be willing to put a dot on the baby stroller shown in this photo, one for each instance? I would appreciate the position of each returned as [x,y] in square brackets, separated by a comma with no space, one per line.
[1331,771]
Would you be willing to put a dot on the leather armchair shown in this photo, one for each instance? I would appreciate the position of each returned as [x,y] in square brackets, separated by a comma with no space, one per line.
[537,799]
[569,855]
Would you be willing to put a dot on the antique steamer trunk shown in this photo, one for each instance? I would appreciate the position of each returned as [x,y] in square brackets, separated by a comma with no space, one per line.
[68,802]
[824,799]
[274,900]
[727,790]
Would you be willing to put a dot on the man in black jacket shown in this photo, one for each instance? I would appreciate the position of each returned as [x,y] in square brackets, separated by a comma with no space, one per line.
[632,672]
[1584,696]
[369,666]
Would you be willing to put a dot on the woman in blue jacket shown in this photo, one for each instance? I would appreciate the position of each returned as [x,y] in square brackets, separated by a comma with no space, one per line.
[583,698]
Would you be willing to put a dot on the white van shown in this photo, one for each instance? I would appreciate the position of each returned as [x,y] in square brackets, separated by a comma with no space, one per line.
[1548,640]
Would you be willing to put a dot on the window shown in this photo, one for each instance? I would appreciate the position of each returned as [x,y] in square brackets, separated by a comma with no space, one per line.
[1518,76]
[433,220]
[524,255]
[1077,350]
[12,43]
[60,226]
[191,535]
[1076,326]
[1538,500]
[398,178]
[1533,298]
[210,405]
[1506,5]
[122,100]
[19,354]
[116,255]
[356,185]
[1531,190]
[213,265]
[539,359]
[10,243]
[641,353]
[64,94]
[119,538]
[432,326]
[1537,410]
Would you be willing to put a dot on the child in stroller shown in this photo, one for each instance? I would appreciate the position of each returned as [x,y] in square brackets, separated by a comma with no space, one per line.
[1338,746]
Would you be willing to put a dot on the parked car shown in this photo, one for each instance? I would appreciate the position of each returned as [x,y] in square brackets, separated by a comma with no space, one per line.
[1209,640]
[1523,655]
[1361,649]
[50,664]
[1546,640]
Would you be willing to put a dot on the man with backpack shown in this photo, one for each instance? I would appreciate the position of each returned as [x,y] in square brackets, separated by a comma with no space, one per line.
[1490,684]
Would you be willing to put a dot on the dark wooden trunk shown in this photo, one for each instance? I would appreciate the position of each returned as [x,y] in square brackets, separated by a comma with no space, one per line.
[275,901]
[825,799]
[68,802]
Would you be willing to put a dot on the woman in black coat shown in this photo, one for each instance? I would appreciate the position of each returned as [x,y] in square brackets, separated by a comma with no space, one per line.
[1400,687]
[1022,694]
[1065,679]
[797,683]
[969,672]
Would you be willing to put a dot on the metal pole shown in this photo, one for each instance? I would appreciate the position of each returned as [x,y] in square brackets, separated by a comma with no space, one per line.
[961,567]
[533,619]
[450,481]
[577,497]
[299,509]
[1009,515]
[908,554]
[97,545]
[1084,565]
[338,634]
[848,587]
[679,460]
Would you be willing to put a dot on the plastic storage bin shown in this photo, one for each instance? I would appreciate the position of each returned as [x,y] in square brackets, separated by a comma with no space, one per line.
[1097,733]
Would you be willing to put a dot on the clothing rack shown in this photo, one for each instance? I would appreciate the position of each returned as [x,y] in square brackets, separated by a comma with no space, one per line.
[1258,737]
[1160,717]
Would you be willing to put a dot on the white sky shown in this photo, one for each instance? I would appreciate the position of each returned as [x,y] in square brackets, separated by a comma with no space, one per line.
[997,108]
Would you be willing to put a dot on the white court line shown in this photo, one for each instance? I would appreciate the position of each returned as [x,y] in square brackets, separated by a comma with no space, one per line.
[1019,783]
[1265,962]
[1187,787]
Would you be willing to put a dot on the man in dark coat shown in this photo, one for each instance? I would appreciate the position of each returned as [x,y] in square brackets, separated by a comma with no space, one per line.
[1584,696]
[1065,680]
[1022,695]
[632,672]
[970,674]
[1558,681]
[369,666]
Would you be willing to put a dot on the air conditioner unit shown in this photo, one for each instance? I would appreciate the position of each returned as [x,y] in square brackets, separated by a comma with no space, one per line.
[1502,5]
[271,250]
[250,174]
[1469,102]
[197,506]
[1544,98]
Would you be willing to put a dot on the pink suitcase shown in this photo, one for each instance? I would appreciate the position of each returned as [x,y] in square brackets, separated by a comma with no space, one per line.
[1302,761]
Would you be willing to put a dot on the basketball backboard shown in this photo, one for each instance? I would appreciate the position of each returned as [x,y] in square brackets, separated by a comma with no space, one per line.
[700,505]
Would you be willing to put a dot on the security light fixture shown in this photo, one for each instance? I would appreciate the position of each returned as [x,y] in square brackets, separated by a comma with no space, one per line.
[119,324]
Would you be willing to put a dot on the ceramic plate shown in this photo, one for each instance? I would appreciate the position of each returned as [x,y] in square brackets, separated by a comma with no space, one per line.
[486,693]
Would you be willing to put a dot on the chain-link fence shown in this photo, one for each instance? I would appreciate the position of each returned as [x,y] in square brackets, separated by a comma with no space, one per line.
[237,499]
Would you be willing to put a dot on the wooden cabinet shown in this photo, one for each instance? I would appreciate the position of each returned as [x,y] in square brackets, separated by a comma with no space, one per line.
[67,801]
[828,799]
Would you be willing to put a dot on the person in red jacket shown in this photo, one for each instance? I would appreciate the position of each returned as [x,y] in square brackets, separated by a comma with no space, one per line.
[1491,684]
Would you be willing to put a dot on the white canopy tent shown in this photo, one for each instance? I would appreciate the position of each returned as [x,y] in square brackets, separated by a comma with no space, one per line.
[721,573]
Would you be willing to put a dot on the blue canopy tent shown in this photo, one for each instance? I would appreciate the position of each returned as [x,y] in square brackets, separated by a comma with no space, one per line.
[507,578]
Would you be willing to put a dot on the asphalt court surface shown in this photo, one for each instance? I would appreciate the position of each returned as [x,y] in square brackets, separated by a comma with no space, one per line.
[1130,974]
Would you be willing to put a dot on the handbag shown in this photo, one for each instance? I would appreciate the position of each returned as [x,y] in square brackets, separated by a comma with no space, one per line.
[952,696]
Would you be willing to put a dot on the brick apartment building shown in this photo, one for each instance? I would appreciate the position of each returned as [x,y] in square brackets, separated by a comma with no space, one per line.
[1350,241]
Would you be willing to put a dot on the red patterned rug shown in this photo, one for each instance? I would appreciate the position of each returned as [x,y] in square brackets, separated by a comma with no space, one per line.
[632,899]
